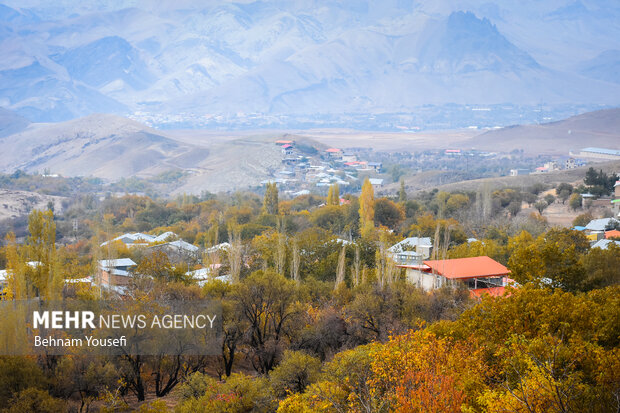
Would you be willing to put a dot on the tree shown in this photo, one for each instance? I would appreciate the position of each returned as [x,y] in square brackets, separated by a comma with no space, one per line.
[552,259]
[266,299]
[17,374]
[514,208]
[35,400]
[270,201]
[297,371]
[238,393]
[387,213]
[42,276]
[602,266]
[333,195]
[158,266]
[574,202]
[367,208]
[541,206]
[564,191]
[550,199]
[582,220]
[402,193]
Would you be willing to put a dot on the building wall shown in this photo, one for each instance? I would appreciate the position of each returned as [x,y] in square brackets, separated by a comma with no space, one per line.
[424,280]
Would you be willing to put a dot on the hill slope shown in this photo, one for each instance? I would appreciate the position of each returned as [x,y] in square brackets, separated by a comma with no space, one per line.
[599,128]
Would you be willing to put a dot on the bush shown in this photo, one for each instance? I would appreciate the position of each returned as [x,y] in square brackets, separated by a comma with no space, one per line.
[35,400]
[296,371]
[239,393]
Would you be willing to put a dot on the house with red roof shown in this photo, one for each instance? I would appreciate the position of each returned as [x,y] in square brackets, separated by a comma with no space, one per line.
[281,142]
[334,152]
[479,274]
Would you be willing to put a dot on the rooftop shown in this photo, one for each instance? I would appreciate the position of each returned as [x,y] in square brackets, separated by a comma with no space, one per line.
[599,224]
[604,151]
[410,243]
[472,267]
[604,243]
[121,262]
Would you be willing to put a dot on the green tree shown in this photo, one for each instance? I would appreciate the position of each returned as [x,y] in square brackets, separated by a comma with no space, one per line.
[574,202]
[564,191]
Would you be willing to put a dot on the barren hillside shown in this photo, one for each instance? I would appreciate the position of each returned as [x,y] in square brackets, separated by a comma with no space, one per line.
[600,128]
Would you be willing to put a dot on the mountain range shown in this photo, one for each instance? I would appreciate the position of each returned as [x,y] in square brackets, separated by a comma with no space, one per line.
[193,61]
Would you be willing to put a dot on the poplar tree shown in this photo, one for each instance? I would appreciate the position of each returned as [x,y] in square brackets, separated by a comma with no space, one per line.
[333,195]
[402,194]
[270,202]
[367,208]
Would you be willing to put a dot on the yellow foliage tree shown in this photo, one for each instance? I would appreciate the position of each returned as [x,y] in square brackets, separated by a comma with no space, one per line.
[367,209]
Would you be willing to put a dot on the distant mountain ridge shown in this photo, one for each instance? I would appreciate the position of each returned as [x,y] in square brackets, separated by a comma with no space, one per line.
[302,58]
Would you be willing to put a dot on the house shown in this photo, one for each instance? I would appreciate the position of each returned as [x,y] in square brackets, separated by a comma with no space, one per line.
[287,149]
[376,182]
[113,273]
[614,233]
[179,251]
[552,166]
[206,274]
[349,157]
[222,247]
[570,163]
[139,239]
[421,246]
[478,274]
[403,258]
[517,172]
[604,243]
[334,152]
[376,166]
[281,142]
[600,225]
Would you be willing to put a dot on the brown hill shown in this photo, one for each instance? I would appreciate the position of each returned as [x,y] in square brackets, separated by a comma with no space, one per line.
[441,180]
[600,128]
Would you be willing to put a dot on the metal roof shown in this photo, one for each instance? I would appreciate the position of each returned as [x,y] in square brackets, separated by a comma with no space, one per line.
[472,267]
[604,151]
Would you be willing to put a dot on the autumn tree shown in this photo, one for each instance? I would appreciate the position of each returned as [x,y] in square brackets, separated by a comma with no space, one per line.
[266,300]
[270,201]
[34,269]
[552,259]
[333,195]
[367,208]
[297,371]
[387,213]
